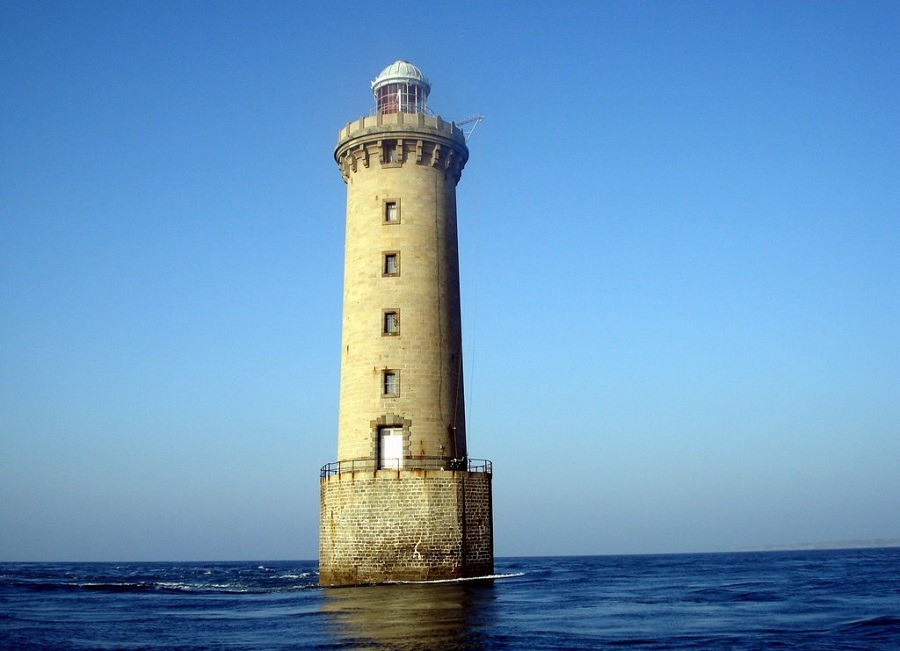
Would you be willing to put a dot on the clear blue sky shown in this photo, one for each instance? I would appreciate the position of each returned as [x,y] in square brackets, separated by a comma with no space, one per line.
[680,235]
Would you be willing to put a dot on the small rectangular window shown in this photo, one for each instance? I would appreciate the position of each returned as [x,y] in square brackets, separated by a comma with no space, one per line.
[391,322]
[390,383]
[391,212]
[390,152]
[391,265]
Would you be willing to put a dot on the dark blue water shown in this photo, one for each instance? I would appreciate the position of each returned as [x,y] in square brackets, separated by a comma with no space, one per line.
[847,599]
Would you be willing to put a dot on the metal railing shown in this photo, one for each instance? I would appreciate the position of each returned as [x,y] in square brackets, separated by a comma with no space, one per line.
[408,463]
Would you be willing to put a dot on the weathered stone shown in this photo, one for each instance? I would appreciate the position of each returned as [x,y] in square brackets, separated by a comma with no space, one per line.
[417,526]
[412,511]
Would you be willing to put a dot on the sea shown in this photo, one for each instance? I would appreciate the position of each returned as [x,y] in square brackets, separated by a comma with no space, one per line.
[831,599]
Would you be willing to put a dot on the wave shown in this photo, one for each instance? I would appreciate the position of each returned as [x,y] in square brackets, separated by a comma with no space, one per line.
[161,587]
[301,575]
[885,621]
[486,577]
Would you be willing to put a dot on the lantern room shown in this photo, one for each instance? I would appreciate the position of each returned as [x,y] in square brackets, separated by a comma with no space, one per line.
[400,88]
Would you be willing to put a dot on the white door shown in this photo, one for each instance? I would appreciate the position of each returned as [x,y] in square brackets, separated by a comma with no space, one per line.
[391,445]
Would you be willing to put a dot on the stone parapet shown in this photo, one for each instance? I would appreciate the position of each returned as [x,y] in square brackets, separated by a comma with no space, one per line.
[420,139]
[398,122]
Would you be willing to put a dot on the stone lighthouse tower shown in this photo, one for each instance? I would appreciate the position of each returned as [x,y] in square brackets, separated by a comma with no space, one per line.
[403,501]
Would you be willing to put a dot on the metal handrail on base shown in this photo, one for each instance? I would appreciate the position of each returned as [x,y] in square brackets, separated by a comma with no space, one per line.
[408,463]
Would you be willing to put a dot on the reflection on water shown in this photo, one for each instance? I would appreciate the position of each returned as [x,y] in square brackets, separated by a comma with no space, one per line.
[411,616]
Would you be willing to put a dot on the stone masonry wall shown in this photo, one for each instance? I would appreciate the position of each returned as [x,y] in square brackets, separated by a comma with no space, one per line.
[479,529]
[408,525]
[424,353]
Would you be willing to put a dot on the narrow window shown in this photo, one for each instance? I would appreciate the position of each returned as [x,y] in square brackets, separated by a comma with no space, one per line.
[391,212]
[390,383]
[391,265]
[390,322]
[390,152]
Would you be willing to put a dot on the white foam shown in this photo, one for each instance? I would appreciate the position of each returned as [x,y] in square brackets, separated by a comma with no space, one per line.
[466,578]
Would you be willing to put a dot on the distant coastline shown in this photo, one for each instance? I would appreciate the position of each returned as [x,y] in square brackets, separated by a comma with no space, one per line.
[834,544]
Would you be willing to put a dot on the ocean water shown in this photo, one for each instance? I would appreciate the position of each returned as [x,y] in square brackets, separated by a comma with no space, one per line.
[841,599]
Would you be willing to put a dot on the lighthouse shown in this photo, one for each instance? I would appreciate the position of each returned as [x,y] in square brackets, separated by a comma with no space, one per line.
[404,501]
